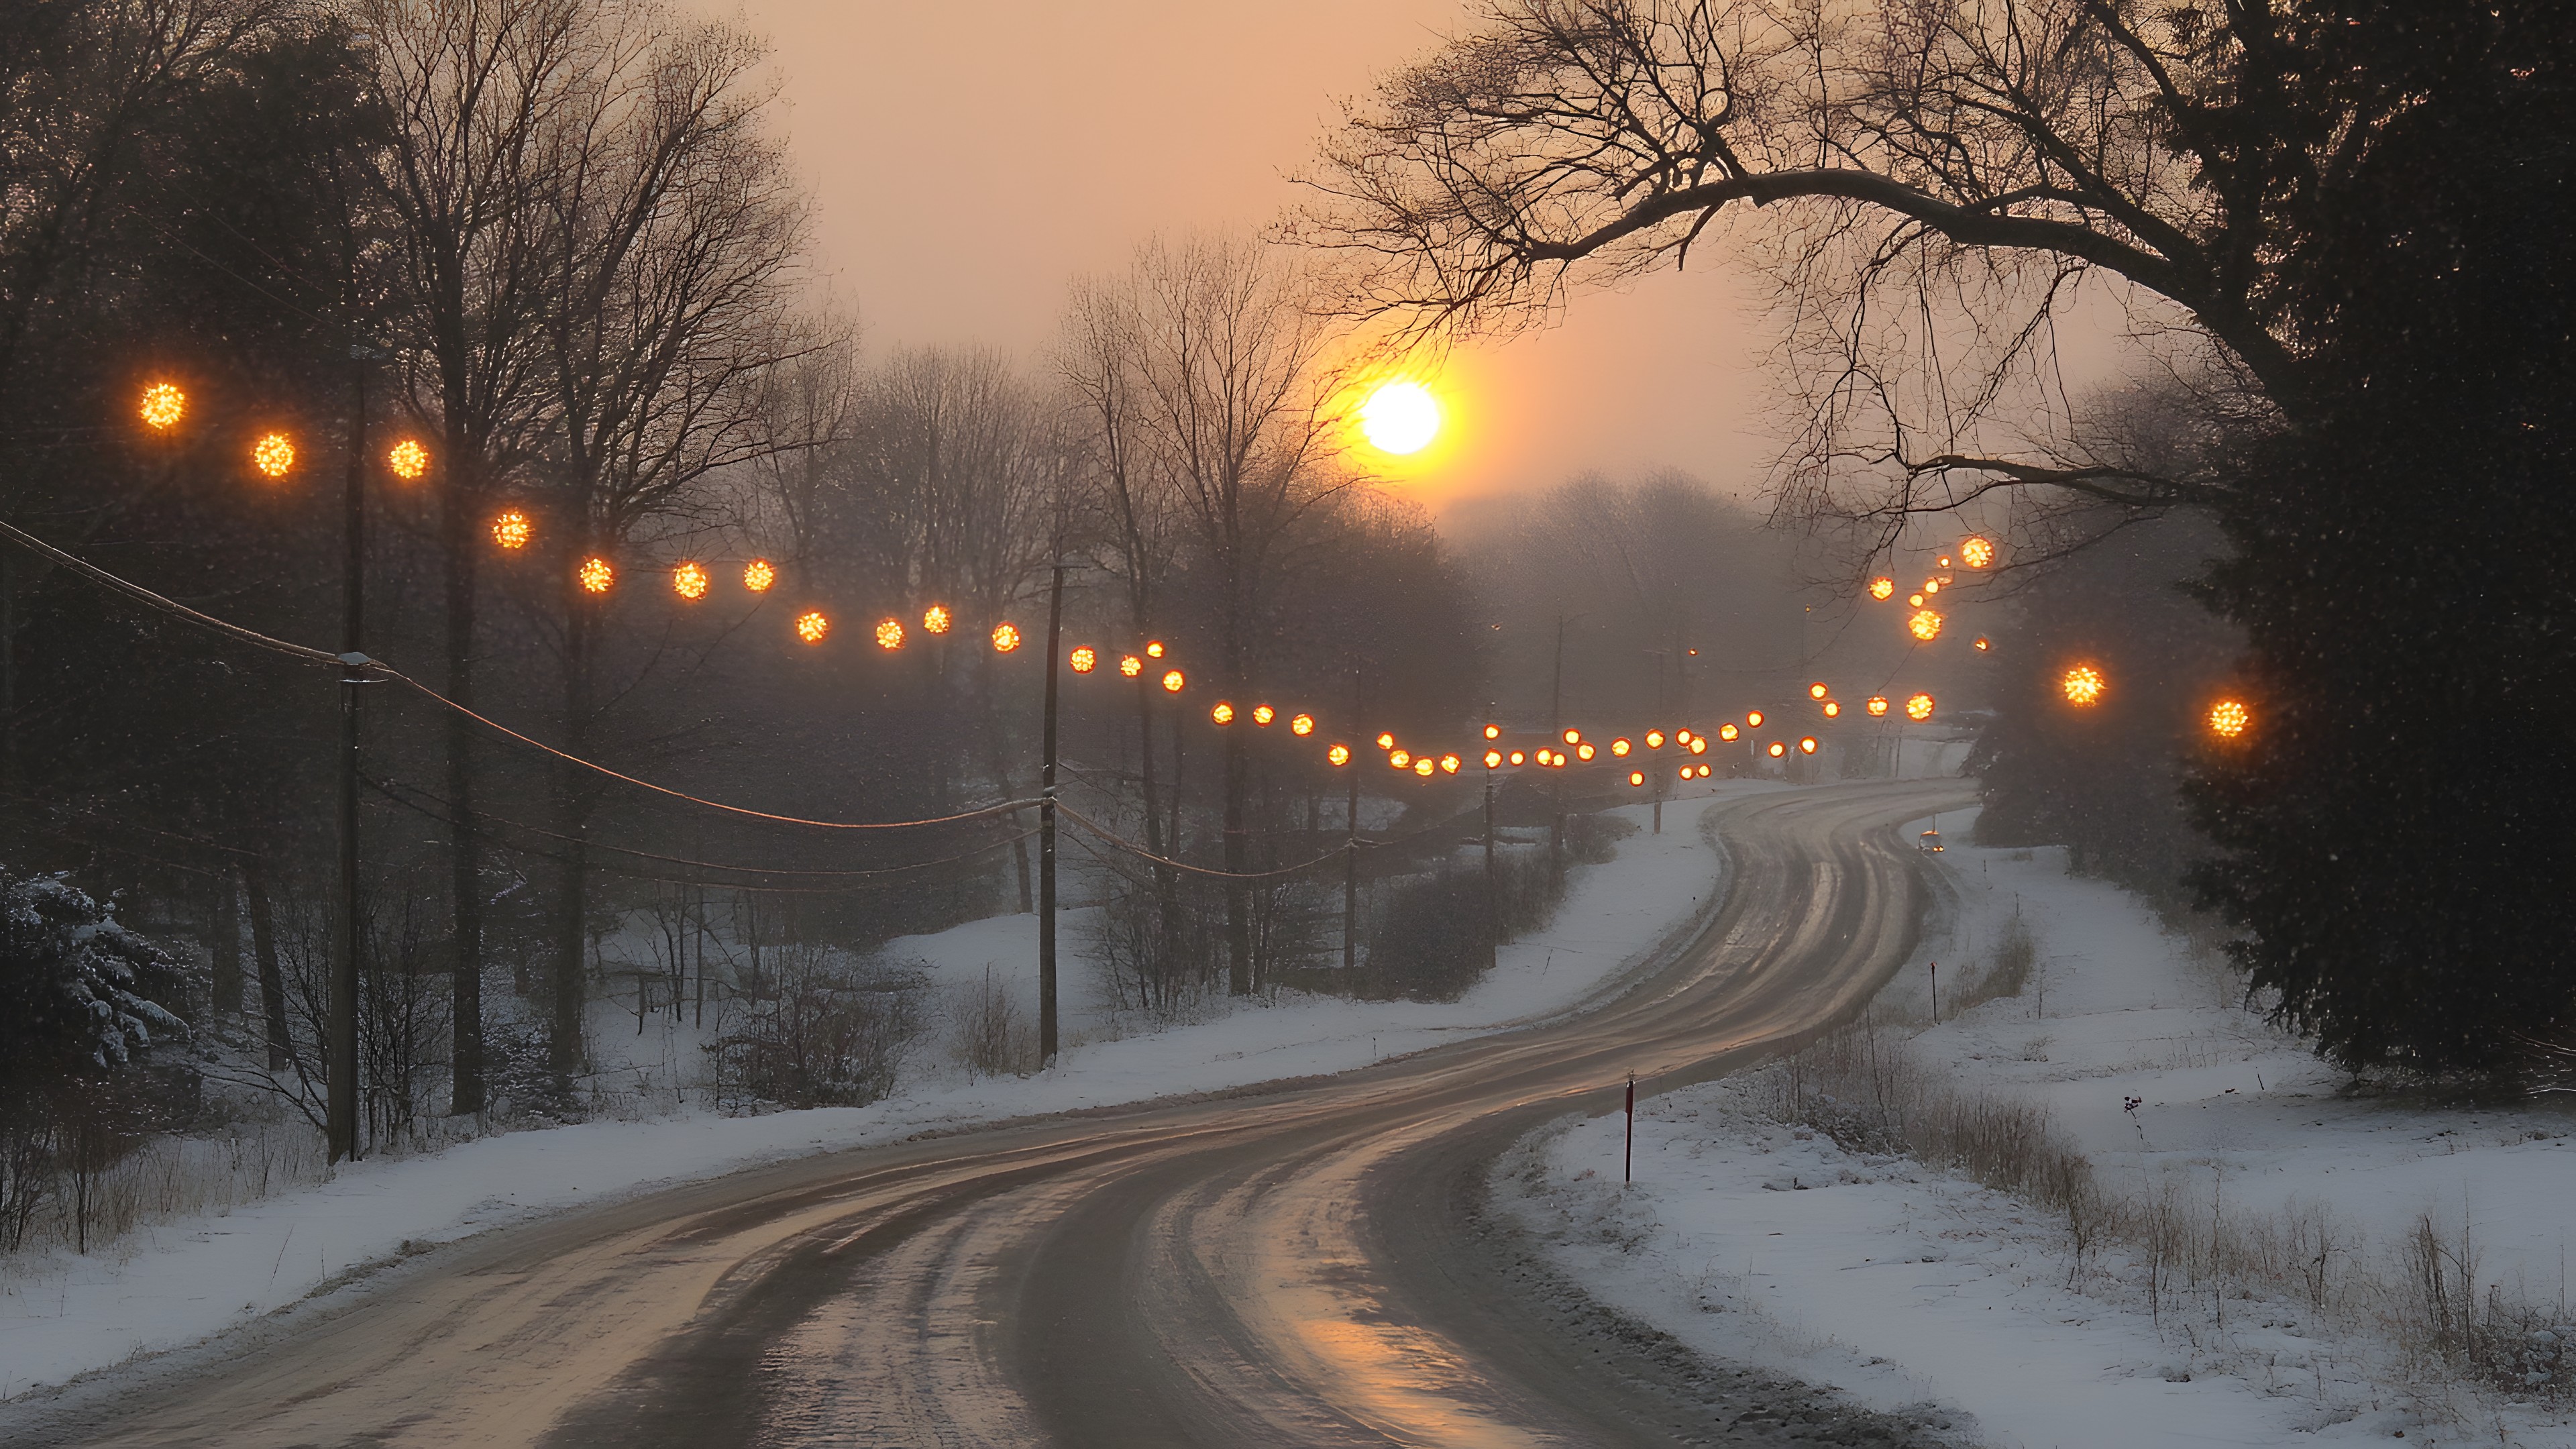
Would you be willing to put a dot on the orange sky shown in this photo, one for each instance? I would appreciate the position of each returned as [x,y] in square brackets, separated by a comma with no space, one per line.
[971,157]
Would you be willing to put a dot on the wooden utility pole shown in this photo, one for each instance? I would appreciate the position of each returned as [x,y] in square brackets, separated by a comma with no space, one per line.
[1351,825]
[1046,828]
[340,1103]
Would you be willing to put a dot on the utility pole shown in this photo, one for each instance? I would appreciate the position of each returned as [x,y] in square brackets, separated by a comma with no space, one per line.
[1656,697]
[1493,886]
[341,1104]
[1046,828]
[1556,737]
[1351,825]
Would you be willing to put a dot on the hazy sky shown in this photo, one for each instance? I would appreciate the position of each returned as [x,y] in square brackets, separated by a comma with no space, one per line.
[972,157]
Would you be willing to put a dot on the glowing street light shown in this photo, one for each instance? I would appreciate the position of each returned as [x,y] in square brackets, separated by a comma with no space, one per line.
[889,634]
[811,626]
[935,619]
[1263,714]
[1620,747]
[1222,713]
[512,530]
[1976,552]
[408,460]
[1084,659]
[757,576]
[1753,719]
[1817,690]
[1807,746]
[1130,665]
[1493,732]
[1778,749]
[1449,764]
[1302,725]
[1702,772]
[2229,718]
[1574,737]
[1833,709]
[1636,778]
[1728,732]
[689,581]
[1340,755]
[2082,686]
[1914,601]
[1918,708]
[1882,588]
[163,406]
[1386,740]
[1154,649]
[1925,625]
[1699,744]
[1400,758]
[1172,681]
[1423,767]
[1984,644]
[1493,758]
[1931,586]
[1006,637]
[1519,758]
[1584,751]
[595,575]
[273,455]
[1877,704]
[1654,739]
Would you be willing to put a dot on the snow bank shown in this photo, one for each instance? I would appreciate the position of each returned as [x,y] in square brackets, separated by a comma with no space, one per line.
[180,1282]
[1763,1241]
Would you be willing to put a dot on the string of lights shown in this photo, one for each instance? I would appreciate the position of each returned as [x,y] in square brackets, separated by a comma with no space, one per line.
[380,669]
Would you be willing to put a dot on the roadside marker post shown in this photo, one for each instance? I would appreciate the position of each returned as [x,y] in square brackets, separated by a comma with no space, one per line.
[1628,1160]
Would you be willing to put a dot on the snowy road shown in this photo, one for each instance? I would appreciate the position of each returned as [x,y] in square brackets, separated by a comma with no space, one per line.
[1299,1264]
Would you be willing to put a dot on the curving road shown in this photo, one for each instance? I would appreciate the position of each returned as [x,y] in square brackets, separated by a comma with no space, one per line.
[1307,1264]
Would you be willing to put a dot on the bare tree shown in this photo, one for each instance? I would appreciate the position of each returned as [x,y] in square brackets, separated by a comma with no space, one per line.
[670,230]
[947,495]
[472,91]
[1938,180]
[1132,512]
[1229,387]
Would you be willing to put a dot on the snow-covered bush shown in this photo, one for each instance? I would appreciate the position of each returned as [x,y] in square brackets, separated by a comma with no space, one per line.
[81,1004]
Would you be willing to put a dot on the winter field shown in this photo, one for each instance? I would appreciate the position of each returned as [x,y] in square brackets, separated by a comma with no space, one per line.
[2257,1255]
[184,1277]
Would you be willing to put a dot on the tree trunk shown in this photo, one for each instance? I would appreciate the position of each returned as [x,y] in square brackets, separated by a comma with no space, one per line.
[226,948]
[575,799]
[464,850]
[272,980]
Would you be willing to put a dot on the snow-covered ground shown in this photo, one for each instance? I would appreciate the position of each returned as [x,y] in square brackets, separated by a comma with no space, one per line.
[178,1282]
[1763,1240]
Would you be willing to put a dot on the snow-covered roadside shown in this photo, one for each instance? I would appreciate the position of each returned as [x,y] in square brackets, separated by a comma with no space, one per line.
[1767,1242]
[180,1282]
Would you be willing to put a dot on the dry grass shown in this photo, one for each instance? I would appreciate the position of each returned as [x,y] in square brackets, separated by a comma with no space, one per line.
[172,1177]
[2174,1238]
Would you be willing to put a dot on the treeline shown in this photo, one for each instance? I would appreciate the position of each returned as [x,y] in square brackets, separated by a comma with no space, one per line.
[560,246]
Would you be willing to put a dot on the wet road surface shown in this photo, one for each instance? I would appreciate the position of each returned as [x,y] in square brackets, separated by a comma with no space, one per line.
[1304,1264]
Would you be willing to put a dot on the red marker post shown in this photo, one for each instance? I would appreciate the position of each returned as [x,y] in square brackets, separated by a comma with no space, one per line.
[1628,1161]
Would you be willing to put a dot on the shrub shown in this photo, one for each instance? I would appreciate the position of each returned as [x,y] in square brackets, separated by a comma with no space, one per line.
[827,1031]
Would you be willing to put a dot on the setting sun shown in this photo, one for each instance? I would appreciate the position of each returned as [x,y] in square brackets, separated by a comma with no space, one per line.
[1401,417]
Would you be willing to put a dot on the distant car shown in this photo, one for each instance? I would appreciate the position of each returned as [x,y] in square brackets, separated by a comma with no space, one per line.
[1931,843]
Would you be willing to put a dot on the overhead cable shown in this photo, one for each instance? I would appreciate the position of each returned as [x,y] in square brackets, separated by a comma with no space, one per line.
[379,668]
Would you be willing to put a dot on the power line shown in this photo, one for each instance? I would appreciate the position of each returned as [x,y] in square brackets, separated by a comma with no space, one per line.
[252,637]
[555,858]
[395,790]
